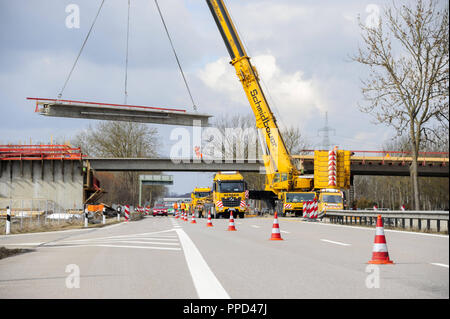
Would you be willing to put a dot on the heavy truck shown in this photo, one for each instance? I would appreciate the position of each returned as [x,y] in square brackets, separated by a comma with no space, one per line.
[201,197]
[229,194]
[284,181]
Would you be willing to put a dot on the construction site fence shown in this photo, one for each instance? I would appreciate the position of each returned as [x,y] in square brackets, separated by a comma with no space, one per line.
[428,221]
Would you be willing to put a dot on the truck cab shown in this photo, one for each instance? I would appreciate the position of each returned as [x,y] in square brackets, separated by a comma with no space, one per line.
[200,196]
[330,199]
[293,201]
[229,194]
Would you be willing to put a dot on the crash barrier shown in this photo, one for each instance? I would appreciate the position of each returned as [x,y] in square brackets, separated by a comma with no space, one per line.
[311,210]
[414,220]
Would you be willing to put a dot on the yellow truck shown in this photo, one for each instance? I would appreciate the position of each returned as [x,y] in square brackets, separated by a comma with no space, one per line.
[229,193]
[330,199]
[201,196]
[293,202]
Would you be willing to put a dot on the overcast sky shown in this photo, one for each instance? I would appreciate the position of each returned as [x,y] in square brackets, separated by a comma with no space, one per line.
[300,48]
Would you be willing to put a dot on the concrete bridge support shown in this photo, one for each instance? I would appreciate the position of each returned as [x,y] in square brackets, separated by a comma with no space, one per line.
[60,181]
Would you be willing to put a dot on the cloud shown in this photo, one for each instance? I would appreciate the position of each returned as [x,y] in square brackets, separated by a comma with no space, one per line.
[290,93]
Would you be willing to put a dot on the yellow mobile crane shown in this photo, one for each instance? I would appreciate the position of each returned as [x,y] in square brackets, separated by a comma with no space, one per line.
[282,177]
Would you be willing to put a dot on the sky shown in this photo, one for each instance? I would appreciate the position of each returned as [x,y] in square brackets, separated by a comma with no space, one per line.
[301,50]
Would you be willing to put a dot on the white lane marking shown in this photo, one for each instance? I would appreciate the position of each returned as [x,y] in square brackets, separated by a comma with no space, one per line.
[439,264]
[133,235]
[283,231]
[80,241]
[335,242]
[22,244]
[102,242]
[113,246]
[205,282]
[254,226]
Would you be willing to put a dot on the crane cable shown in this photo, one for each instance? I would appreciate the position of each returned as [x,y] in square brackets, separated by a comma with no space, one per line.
[81,50]
[126,55]
[176,57]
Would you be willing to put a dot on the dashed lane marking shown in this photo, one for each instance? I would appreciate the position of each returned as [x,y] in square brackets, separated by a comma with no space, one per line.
[161,240]
[335,242]
[440,265]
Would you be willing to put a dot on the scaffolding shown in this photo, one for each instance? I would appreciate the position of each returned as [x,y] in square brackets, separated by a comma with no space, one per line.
[39,152]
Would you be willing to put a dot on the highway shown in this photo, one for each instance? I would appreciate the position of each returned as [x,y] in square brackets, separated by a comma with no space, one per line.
[166,258]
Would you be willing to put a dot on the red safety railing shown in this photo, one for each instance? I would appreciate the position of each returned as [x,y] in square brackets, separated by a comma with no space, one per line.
[39,152]
[101,104]
[390,153]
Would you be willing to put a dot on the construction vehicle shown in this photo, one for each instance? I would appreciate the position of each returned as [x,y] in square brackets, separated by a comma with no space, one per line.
[201,196]
[330,199]
[293,202]
[282,176]
[229,194]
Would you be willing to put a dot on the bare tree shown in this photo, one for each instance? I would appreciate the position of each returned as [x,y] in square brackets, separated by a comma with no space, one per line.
[407,88]
[126,140]
[240,140]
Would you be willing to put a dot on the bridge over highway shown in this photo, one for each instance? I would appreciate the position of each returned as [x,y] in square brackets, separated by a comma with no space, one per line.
[360,165]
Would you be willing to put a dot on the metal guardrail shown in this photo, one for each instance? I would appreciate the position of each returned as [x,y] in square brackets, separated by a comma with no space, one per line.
[390,218]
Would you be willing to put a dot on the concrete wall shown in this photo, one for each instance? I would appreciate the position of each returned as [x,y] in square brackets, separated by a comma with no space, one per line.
[58,181]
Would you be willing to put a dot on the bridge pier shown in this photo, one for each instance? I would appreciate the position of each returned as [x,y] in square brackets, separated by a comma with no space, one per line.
[42,180]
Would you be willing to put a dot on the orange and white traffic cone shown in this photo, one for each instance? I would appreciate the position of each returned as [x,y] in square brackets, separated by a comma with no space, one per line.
[231,223]
[380,253]
[193,218]
[209,224]
[176,214]
[275,229]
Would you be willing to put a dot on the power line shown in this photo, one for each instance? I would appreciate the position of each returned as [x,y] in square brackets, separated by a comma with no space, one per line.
[126,55]
[326,136]
[81,50]
[176,56]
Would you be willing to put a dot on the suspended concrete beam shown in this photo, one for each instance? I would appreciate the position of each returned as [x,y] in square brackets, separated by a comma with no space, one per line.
[119,112]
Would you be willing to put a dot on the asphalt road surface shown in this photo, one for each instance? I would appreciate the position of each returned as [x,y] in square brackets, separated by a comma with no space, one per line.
[166,258]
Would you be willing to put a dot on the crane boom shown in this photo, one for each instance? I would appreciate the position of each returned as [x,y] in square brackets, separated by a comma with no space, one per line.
[279,167]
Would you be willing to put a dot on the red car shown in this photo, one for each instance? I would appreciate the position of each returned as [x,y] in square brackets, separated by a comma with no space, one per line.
[160,210]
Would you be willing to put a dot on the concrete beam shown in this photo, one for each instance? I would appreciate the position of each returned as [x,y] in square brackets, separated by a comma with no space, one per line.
[122,113]
[167,164]
[249,165]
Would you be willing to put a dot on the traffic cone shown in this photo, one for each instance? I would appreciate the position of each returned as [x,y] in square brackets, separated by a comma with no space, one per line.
[176,214]
[209,224]
[193,218]
[275,229]
[231,223]
[380,253]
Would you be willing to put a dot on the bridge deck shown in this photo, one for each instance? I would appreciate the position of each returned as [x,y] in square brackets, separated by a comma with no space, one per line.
[370,166]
